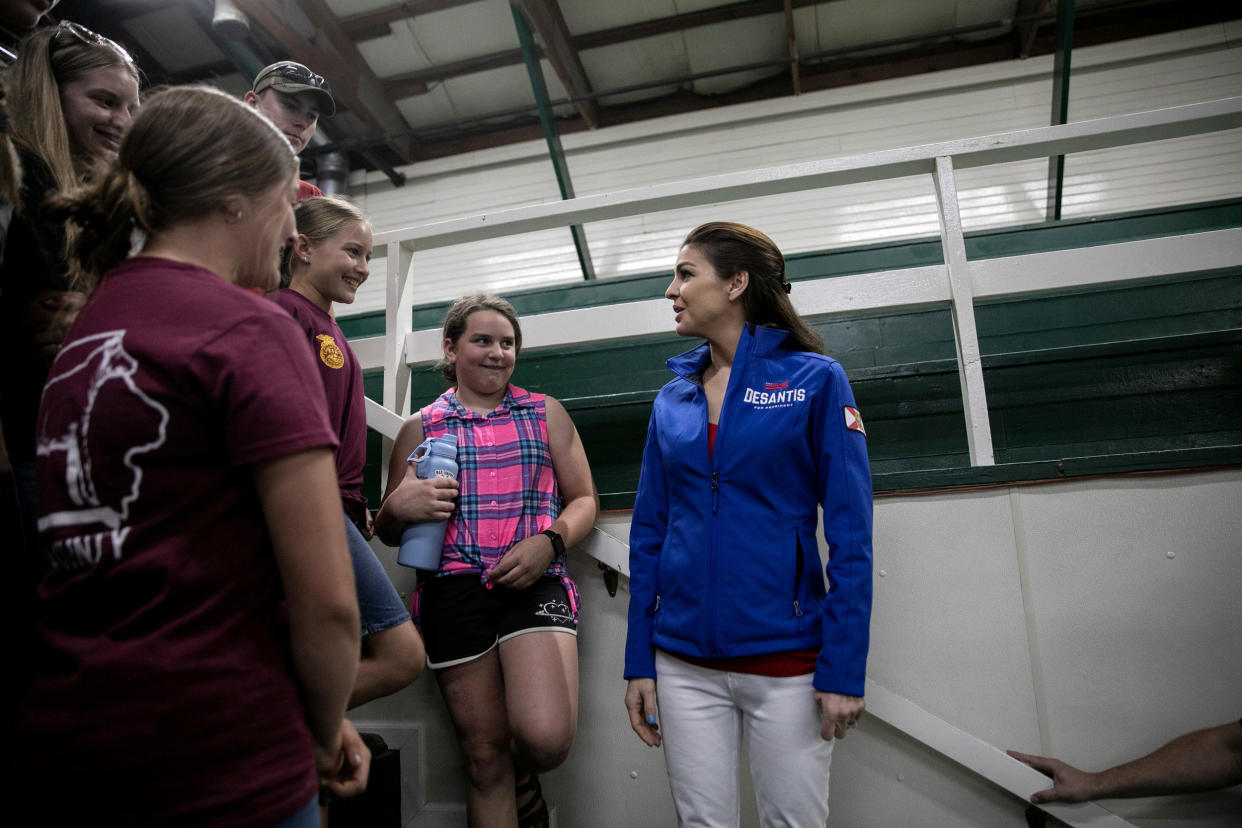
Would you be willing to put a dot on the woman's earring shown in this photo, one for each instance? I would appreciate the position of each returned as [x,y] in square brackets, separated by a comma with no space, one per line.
[305,258]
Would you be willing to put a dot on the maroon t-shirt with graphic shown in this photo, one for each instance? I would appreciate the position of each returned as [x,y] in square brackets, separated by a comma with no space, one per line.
[342,385]
[164,691]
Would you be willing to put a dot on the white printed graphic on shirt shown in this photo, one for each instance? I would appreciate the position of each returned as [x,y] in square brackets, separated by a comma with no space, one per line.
[69,447]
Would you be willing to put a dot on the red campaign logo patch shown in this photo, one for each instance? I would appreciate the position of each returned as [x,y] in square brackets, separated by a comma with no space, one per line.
[775,386]
[853,420]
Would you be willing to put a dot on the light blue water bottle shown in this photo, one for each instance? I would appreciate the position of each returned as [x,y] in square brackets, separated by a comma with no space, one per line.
[421,543]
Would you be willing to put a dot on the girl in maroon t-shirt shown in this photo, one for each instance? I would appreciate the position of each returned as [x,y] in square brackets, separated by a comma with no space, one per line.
[198,634]
[327,263]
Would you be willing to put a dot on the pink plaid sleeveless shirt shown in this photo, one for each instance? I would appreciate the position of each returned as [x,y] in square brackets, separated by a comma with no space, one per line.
[507,484]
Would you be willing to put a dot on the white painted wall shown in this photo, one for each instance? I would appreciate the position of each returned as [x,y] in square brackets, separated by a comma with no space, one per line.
[1148,73]
[1093,619]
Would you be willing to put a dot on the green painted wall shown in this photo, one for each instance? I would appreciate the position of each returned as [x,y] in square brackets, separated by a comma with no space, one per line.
[1128,377]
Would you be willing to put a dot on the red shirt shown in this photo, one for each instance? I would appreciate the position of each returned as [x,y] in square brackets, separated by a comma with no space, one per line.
[164,691]
[307,189]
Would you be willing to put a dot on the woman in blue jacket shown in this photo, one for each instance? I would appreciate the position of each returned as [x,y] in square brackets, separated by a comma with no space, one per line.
[731,629]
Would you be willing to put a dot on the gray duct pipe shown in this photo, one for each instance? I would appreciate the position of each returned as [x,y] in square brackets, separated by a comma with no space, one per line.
[332,172]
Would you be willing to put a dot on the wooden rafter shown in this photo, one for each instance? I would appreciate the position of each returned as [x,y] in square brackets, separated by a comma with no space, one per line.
[792,40]
[368,87]
[686,20]
[1026,31]
[353,82]
[415,83]
[372,24]
[548,24]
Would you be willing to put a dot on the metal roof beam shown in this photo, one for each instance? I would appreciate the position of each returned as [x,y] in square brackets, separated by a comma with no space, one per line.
[416,83]
[373,24]
[792,41]
[1026,31]
[686,20]
[366,87]
[1060,103]
[548,24]
[559,163]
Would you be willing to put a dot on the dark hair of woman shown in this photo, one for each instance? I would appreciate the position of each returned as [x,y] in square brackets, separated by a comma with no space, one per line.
[732,248]
[156,182]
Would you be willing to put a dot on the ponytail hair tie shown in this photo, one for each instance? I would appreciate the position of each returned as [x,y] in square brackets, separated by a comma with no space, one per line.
[787,286]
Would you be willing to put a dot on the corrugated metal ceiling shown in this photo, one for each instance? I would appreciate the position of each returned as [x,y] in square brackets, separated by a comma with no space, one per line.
[435,77]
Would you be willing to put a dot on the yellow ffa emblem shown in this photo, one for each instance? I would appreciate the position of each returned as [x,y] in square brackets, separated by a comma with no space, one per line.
[329,352]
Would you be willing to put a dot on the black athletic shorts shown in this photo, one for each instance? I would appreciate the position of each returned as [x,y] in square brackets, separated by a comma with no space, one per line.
[461,619]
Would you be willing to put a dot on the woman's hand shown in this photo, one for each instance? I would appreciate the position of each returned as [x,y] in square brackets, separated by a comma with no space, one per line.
[838,713]
[524,563]
[345,771]
[640,702]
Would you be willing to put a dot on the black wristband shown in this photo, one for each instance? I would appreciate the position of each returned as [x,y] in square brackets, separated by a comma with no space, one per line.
[558,545]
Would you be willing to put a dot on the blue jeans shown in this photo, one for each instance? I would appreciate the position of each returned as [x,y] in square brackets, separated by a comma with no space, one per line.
[379,605]
[305,817]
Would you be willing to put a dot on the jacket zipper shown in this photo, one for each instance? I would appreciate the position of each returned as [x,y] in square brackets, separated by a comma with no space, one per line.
[714,534]
[713,638]
[799,562]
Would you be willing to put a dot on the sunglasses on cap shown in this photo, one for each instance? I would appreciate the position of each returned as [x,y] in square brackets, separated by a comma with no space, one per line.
[80,33]
[296,73]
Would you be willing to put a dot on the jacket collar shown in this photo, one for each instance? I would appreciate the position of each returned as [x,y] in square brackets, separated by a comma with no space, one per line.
[755,340]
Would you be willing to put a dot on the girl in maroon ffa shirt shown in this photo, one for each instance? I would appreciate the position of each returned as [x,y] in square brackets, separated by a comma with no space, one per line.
[198,630]
[328,263]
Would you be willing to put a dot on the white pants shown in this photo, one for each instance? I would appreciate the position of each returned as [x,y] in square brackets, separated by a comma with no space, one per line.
[703,716]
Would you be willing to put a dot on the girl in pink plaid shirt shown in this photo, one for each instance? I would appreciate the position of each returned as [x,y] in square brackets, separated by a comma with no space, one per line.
[499,617]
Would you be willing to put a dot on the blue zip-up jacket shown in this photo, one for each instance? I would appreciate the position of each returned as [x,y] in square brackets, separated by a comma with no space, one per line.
[723,555]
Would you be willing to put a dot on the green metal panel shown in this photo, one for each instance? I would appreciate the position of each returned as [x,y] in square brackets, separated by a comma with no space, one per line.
[1117,378]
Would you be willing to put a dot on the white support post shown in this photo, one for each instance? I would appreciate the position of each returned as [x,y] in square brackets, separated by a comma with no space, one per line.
[398,320]
[962,309]
[398,310]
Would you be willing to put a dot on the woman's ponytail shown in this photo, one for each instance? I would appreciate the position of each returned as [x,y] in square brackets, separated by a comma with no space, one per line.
[100,219]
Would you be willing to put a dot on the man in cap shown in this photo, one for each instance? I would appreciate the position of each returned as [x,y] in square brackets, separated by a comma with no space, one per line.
[293,98]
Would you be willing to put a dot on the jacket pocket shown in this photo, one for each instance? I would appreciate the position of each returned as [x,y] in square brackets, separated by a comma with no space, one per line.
[799,563]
